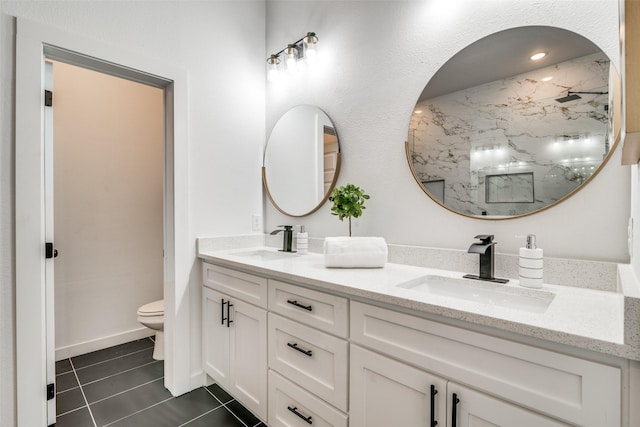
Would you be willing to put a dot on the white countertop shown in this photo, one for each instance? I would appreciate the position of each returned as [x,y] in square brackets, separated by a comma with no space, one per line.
[583,318]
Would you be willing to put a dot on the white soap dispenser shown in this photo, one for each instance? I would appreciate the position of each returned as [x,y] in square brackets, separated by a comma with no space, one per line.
[302,241]
[531,263]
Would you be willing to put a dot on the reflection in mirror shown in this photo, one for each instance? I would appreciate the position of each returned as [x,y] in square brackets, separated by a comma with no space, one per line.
[301,161]
[497,134]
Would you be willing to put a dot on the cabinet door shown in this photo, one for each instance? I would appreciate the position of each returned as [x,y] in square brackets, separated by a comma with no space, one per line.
[475,409]
[387,393]
[215,337]
[248,353]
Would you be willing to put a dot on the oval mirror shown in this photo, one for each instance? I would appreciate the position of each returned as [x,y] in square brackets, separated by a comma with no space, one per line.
[497,134]
[301,161]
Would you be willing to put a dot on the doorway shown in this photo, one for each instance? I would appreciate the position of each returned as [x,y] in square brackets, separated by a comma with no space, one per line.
[108,138]
[35,360]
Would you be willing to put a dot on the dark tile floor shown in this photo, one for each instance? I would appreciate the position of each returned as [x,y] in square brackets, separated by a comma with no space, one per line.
[123,386]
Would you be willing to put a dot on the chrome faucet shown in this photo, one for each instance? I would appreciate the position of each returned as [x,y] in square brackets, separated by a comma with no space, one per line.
[485,248]
[287,238]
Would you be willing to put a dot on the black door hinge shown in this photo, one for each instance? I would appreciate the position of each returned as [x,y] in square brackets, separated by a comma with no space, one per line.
[48,98]
[51,391]
[50,251]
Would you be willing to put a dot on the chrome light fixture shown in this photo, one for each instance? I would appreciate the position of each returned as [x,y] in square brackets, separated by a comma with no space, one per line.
[303,49]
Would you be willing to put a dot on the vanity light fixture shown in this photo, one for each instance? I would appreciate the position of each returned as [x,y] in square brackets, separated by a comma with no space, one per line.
[303,49]
[537,56]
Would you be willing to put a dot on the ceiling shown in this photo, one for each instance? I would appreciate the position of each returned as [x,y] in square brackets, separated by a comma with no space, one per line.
[506,54]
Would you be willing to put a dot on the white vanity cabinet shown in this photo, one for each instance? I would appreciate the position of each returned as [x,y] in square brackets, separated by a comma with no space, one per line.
[297,356]
[385,392]
[235,334]
[308,357]
[534,386]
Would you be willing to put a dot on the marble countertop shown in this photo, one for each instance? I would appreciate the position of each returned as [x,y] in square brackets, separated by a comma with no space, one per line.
[578,317]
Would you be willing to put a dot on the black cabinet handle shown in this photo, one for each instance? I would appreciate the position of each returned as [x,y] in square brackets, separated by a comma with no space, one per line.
[295,411]
[434,423]
[295,347]
[297,304]
[229,321]
[454,410]
[228,317]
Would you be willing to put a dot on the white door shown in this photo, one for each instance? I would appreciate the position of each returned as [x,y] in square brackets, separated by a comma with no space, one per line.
[50,253]
[386,393]
[475,409]
[215,336]
[248,353]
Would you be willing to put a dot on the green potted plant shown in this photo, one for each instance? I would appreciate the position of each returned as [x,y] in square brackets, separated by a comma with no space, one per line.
[348,201]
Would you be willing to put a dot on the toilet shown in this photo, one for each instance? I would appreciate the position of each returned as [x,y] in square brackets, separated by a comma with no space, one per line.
[152,316]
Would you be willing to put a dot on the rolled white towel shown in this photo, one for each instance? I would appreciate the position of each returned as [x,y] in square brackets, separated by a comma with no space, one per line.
[355,252]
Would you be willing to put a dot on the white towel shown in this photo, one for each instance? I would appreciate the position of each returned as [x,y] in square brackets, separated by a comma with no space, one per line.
[355,252]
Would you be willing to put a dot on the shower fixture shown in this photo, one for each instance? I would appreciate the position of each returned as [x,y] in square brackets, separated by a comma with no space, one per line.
[572,96]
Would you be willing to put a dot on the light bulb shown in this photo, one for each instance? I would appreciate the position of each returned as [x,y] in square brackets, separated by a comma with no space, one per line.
[309,44]
[273,73]
[291,54]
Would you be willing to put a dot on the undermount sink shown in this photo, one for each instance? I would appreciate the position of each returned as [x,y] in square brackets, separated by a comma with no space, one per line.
[494,294]
[264,254]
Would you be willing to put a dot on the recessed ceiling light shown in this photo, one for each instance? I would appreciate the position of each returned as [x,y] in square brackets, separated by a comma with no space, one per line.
[546,79]
[418,111]
[537,56]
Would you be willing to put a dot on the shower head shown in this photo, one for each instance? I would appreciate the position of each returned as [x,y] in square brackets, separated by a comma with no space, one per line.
[572,96]
[569,97]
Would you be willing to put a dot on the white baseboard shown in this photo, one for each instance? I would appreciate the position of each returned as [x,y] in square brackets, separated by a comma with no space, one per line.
[198,380]
[100,343]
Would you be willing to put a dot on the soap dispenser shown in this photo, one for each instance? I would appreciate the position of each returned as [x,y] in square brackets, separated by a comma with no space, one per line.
[302,241]
[530,264]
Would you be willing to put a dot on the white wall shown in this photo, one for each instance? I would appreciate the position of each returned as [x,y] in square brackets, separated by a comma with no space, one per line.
[378,56]
[108,222]
[221,45]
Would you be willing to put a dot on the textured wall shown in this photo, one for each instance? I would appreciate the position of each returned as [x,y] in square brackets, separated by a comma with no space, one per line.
[378,56]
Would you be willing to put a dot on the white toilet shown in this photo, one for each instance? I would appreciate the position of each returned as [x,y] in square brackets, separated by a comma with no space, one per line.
[152,316]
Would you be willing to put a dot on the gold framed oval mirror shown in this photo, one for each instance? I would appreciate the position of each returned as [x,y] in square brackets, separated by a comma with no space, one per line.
[496,134]
[301,161]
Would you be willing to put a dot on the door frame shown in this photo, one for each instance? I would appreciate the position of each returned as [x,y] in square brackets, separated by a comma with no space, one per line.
[34,43]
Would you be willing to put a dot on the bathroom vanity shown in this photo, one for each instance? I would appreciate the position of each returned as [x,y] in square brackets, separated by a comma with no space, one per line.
[299,344]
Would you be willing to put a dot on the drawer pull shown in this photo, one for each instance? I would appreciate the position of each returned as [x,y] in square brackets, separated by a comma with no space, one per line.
[297,304]
[434,423]
[295,411]
[454,410]
[295,347]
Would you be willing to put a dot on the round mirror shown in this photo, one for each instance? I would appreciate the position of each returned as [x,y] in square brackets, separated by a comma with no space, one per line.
[301,161]
[497,133]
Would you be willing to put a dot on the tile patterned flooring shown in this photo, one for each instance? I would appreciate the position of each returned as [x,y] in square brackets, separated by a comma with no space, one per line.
[123,386]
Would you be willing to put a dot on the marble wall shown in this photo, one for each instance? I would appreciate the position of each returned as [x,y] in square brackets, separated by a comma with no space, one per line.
[509,147]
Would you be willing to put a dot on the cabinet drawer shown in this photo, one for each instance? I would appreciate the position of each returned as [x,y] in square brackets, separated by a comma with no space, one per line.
[566,387]
[249,288]
[320,310]
[314,360]
[289,404]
